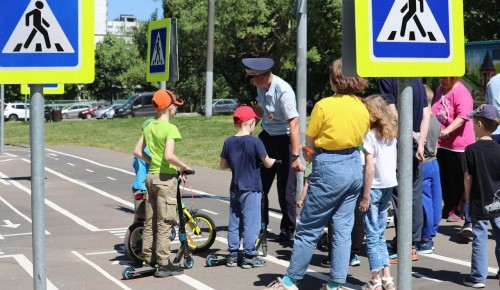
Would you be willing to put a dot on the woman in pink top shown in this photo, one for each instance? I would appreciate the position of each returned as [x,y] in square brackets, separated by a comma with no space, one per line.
[450,106]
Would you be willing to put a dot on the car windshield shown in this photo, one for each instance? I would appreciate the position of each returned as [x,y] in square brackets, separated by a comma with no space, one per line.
[130,100]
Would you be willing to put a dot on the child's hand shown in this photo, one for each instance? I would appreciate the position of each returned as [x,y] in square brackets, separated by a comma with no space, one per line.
[300,203]
[364,204]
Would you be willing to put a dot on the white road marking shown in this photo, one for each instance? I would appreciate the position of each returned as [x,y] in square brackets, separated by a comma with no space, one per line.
[28,267]
[93,162]
[94,189]
[416,274]
[209,211]
[15,209]
[110,178]
[70,164]
[88,170]
[101,270]
[9,154]
[457,261]
[21,234]
[285,264]
[55,206]
[5,182]
[9,224]
[193,283]
[6,160]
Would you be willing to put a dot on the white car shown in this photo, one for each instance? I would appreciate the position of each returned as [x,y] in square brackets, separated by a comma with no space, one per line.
[107,112]
[16,111]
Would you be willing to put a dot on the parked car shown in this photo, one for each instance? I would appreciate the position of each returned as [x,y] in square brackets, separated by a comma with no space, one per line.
[106,112]
[140,105]
[221,106]
[16,111]
[72,111]
[87,114]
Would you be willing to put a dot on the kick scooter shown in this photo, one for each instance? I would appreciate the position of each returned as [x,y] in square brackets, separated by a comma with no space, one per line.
[184,251]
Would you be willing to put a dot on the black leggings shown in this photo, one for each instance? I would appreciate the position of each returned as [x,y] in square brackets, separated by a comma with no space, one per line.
[452,178]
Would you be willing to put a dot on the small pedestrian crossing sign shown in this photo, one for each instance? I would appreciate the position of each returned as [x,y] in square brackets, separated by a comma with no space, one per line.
[47,41]
[158,50]
[409,38]
[48,89]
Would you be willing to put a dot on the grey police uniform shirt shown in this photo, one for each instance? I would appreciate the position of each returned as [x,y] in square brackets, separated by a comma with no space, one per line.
[279,105]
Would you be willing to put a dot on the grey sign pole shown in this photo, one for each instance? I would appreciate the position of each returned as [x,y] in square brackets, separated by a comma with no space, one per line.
[2,120]
[37,144]
[210,60]
[301,80]
[405,182]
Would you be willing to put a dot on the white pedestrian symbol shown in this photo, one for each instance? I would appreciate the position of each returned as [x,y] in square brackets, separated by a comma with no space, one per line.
[38,31]
[157,58]
[409,22]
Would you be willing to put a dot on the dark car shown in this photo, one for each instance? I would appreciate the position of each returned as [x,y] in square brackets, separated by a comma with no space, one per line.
[140,105]
[221,106]
[87,114]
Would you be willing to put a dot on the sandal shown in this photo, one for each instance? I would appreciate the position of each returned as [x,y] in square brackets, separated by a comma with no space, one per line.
[388,283]
[372,285]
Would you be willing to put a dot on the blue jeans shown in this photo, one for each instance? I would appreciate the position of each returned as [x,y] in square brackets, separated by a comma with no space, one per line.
[431,198]
[479,267]
[244,215]
[375,224]
[334,187]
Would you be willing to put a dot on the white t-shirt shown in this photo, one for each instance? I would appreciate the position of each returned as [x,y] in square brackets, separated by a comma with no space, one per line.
[385,158]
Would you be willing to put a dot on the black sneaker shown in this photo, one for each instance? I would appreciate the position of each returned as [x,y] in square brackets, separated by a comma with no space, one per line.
[284,236]
[470,283]
[254,262]
[466,231]
[326,262]
[168,270]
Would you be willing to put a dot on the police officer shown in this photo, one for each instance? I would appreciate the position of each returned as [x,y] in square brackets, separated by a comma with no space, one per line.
[277,106]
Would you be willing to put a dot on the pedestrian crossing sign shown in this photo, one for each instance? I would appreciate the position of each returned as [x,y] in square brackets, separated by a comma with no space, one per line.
[405,38]
[158,50]
[48,89]
[46,41]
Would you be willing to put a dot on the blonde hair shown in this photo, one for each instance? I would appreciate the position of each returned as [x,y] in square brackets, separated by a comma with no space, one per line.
[381,120]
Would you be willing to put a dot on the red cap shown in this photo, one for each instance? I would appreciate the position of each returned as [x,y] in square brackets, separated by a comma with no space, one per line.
[163,99]
[243,114]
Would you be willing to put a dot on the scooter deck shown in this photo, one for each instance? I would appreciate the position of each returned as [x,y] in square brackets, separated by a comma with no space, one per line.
[216,260]
[131,272]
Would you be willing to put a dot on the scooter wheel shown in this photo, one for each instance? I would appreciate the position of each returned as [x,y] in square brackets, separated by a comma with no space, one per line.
[210,260]
[188,262]
[127,273]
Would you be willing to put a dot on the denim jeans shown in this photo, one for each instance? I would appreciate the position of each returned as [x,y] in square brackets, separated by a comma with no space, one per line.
[375,224]
[479,267]
[335,184]
[244,220]
[431,198]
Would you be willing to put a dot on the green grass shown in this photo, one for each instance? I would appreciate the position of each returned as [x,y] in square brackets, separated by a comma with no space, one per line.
[201,139]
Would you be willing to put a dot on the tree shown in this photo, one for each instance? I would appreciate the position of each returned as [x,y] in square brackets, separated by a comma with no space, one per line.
[481,20]
[118,68]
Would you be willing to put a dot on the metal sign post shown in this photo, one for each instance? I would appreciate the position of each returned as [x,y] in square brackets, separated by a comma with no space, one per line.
[37,147]
[301,14]
[210,60]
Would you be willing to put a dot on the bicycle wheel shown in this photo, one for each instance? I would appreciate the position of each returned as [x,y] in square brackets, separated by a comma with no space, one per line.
[133,242]
[200,233]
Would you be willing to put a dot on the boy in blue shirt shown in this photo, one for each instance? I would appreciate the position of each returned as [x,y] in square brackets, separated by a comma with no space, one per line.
[242,154]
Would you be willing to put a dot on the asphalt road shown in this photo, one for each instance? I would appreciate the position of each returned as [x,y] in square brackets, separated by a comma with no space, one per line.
[88,207]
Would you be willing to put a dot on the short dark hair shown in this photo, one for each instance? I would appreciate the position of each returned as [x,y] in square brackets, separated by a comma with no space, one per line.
[489,125]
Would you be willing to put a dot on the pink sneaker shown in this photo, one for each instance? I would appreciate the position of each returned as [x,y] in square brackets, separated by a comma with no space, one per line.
[452,217]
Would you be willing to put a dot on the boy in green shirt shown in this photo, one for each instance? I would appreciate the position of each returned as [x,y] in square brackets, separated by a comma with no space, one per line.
[161,182]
